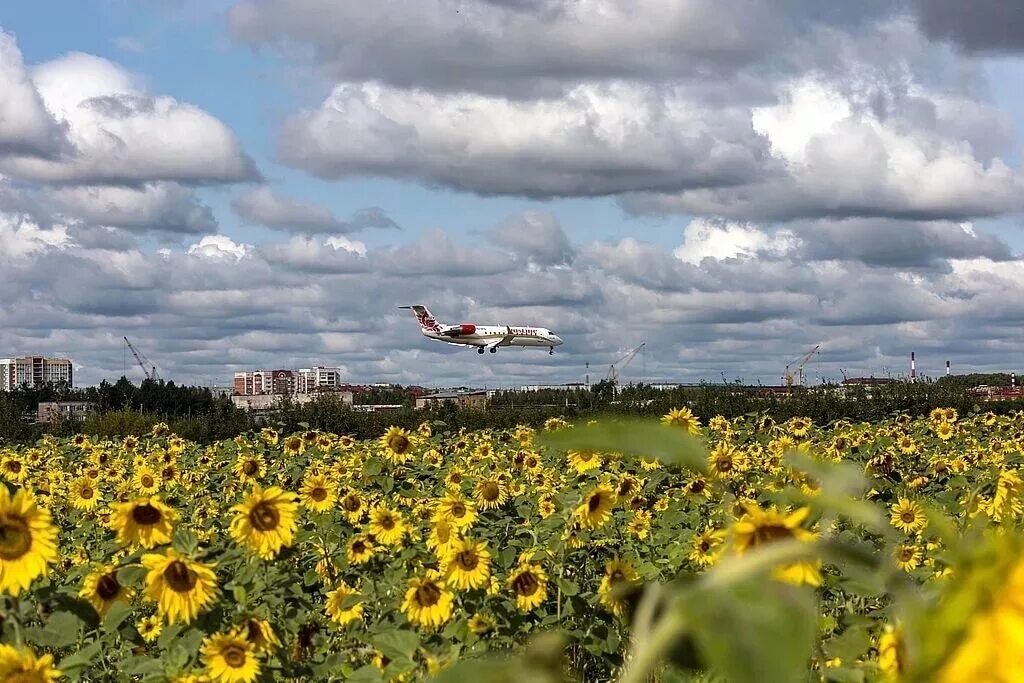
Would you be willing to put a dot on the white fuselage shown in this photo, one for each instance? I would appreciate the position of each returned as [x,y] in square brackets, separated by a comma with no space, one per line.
[507,335]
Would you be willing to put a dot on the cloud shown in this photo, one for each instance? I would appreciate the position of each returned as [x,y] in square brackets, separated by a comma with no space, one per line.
[275,211]
[162,207]
[119,134]
[721,240]
[484,45]
[219,247]
[26,127]
[596,140]
[881,152]
[536,236]
[978,26]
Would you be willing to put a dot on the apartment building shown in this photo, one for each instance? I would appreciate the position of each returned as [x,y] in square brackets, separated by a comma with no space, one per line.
[34,371]
[280,382]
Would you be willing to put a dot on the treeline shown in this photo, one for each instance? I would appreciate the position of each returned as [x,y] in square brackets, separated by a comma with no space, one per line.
[197,415]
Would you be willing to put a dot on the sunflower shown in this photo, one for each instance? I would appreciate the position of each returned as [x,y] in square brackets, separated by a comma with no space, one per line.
[13,469]
[908,516]
[468,565]
[458,512]
[265,521]
[387,525]
[428,602]
[596,508]
[583,461]
[683,418]
[640,524]
[180,586]
[317,493]
[706,547]
[799,426]
[649,462]
[359,550]
[553,424]
[490,493]
[481,623]
[726,462]
[22,666]
[545,507]
[353,506]
[146,481]
[83,494]
[907,445]
[260,635]
[759,527]
[149,627]
[230,658]
[249,468]
[529,582]
[617,574]
[397,444]
[945,430]
[908,557]
[269,436]
[102,589]
[294,445]
[344,605]
[28,541]
[144,521]
[891,655]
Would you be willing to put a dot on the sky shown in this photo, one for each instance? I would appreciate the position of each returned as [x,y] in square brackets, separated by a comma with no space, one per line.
[240,184]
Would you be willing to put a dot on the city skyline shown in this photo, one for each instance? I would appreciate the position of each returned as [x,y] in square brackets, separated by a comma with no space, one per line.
[245,184]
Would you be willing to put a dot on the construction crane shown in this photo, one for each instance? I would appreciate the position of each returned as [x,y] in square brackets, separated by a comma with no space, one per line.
[798,370]
[149,372]
[613,371]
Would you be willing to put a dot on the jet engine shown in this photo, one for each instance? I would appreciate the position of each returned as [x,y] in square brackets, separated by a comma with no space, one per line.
[458,330]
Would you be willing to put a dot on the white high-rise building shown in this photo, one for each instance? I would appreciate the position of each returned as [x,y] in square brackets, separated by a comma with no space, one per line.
[316,379]
[34,371]
[304,381]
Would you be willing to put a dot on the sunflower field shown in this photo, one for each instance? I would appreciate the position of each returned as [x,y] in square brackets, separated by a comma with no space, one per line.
[736,550]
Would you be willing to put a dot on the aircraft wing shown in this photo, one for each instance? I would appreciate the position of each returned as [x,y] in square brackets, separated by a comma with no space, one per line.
[504,341]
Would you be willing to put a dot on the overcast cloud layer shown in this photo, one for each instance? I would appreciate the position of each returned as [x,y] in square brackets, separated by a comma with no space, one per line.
[839,174]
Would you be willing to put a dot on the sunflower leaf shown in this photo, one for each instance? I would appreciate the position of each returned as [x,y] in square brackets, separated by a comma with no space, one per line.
[131,575]
[116,616]
[397,644]
[632,438]
[75,664]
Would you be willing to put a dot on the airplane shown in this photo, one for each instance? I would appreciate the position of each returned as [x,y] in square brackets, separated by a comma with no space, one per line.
[484,337]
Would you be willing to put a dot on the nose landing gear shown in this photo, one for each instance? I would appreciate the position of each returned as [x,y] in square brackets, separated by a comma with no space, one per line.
[551,351]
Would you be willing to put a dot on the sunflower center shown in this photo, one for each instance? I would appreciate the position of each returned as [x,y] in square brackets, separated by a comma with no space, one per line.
[772,532]
[428,594]
[86,492]
[146,515]
[697,486]
[253,633]
[14,466]
[15,538]
[387,522]
[586,457]
[318,494]
[234,656]
[908,517]
[250,468]
[179,577]
[147,481]
[704,546]
[490,491]
[616,576]
[264,517]
[467,560]
[906,554]
[724,463]
[526,584]
[358,547]
[107,587]
[443,533]
[458,510]
[351,503]
[594,503]
[399,443]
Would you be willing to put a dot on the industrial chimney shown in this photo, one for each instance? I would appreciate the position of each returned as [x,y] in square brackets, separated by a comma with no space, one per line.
[913,368]
[947,367]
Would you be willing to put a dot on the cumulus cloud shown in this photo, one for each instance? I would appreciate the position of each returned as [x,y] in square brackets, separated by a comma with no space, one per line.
[596,140]
[119,134]
[26,127]
[535,235]
[278,212]
[161,207]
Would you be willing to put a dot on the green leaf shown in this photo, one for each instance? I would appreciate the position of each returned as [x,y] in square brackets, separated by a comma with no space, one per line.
[184,541]
[75,664]
[132,575]
[397,644]
[632,437]
[116,616]
[568,587]
[755,631]
[61,630]
[366,674]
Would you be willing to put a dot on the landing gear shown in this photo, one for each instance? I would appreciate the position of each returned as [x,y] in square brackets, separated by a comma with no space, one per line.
[551,351]
[481,350]
[494,349]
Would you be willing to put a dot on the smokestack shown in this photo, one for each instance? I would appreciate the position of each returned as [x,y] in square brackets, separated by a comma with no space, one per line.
[913,368]
[1013,380]
[947,367]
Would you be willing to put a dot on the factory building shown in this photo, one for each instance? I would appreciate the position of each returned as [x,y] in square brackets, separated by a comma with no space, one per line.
[34,371]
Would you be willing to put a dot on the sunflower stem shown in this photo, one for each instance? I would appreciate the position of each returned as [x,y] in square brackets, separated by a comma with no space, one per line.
[651,650]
